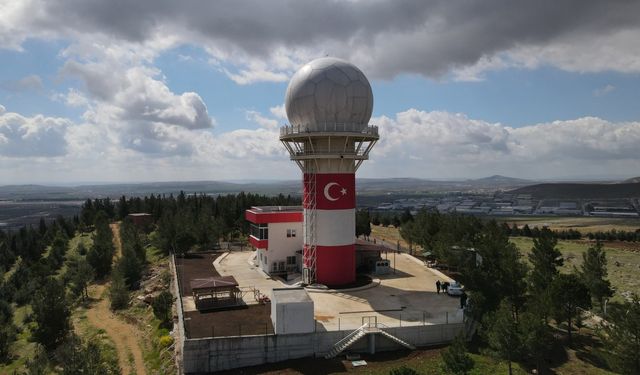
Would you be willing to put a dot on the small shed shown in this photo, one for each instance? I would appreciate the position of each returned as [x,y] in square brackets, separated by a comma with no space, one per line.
[215,292]
[141,219]
[291,311]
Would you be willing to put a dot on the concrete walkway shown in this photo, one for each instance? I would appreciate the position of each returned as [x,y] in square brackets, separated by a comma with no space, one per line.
[407,297]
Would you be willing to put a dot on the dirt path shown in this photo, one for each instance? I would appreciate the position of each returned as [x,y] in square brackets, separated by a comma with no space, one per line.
[115,228]
[124,335]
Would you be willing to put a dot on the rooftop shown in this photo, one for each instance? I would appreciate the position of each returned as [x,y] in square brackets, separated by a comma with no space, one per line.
[290,295]
[270,209]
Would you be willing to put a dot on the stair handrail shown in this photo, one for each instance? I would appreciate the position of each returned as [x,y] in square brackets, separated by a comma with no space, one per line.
[351,335]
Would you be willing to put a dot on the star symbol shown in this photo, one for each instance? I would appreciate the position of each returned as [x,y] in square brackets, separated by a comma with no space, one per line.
[343,191]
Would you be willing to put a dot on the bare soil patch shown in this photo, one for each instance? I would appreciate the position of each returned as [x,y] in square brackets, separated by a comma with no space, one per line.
[195,266]
[124,335]
[245,320]
[375,363]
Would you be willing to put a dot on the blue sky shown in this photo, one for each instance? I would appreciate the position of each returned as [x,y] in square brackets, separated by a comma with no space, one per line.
[181,92]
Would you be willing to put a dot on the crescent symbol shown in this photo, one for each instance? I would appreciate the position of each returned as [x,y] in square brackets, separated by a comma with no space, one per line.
[326,191]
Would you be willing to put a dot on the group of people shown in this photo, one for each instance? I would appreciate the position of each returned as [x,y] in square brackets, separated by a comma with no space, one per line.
[444,286]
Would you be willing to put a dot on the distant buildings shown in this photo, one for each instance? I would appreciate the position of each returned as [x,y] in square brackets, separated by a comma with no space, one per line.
[506,204]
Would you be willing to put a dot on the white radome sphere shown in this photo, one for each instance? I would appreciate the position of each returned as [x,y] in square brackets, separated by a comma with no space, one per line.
[329,90]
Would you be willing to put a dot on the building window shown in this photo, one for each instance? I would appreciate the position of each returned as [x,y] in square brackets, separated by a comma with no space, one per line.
[291,264]
[260,231]
[291,232]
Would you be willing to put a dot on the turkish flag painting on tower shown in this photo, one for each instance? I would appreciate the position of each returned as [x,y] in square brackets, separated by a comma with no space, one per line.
[334,191]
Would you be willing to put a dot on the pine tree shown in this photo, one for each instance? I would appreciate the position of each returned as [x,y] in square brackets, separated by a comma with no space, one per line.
[455,357]
[536,336]
[100,256]
[594,273]
[162,307]
[79,274]
[545,259]
[622,335]
[51,314]
[39,363]
[7,329]
[503,334]
[363,223]
[568,294]
[118,292]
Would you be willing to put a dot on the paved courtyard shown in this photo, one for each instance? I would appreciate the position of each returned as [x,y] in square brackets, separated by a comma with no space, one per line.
[406,297]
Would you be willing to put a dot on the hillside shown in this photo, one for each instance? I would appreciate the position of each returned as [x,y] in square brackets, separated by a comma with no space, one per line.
[581,190]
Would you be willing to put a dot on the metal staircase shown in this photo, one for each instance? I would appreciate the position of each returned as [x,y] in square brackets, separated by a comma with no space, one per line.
[397,340]
[347,341]
[371,327]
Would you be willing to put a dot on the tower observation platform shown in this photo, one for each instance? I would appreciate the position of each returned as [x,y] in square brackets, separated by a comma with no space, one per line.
[329,103]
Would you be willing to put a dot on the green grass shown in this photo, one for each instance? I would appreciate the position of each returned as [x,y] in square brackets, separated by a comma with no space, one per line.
[623,265]
[154,255]
[91,333]
[86,239]
[22,346]
[22,349]
[430,364]
[156,359]
[582,224]
[389,234]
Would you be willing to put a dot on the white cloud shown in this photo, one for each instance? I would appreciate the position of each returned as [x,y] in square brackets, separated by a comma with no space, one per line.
[31,82]
[413,143]
[265,122]
[604,90]
[248,76]
[279,112]
[36,136]
[446,145]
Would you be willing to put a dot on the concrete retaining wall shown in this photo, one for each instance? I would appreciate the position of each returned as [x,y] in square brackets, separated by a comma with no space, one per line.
[224,353]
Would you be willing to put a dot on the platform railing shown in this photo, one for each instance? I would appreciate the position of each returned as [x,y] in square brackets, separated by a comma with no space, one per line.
[329,127]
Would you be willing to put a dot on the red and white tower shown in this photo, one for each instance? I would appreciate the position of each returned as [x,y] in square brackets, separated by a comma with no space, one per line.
[329,103]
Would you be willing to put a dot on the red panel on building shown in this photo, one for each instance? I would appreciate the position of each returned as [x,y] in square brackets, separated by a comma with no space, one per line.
[259,244]
[335,265]
[258,217]
[334,191]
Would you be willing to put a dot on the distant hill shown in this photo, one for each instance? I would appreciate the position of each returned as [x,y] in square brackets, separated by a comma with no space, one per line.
[581,191]
[498,179]
[632,180]
[293,187]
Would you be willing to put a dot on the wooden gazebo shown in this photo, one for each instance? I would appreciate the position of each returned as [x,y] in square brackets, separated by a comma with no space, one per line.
[215,292]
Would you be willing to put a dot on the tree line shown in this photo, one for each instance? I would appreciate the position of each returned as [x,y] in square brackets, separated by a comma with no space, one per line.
[32,260]
[516,302]
[572,234]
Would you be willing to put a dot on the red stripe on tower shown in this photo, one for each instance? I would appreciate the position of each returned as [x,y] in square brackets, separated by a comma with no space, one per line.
[335,265]
[334,191]
[335,199]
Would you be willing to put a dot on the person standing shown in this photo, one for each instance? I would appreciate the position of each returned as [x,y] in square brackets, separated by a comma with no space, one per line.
[438,286]
[463,300]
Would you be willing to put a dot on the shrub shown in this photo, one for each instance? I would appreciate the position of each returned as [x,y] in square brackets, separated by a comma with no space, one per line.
[166,341]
